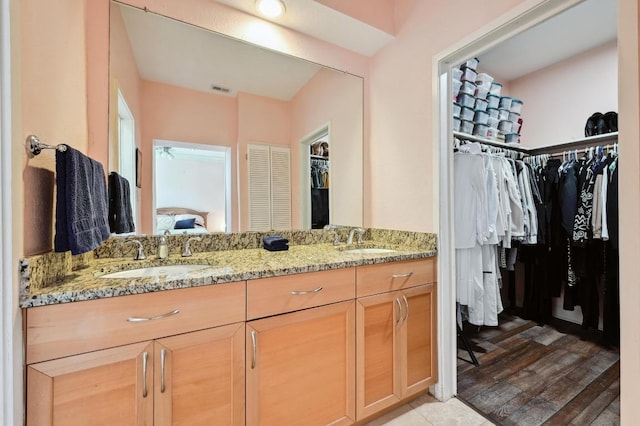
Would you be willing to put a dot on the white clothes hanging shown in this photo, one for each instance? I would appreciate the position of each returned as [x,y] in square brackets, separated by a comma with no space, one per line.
[469,283]
[470,197]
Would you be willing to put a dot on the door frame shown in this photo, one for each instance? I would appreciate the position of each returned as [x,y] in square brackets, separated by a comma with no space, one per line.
[304,162]
[11,369]
[515,21]
[157,143]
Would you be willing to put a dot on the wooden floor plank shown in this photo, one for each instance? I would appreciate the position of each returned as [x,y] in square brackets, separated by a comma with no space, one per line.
[565,415]
[495,396]
[512,332]
[546,371]
[533,375]
[533,413]
[598,406]
[501,413]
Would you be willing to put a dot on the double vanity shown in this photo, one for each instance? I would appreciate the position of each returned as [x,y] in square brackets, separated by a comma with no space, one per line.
[232,335]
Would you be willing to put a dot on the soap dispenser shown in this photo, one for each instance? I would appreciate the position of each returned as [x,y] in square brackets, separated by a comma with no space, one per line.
[163,249]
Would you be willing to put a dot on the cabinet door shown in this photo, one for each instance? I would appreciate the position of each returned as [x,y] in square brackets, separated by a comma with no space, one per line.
[378,326]
[199,377]
[107,387]
[301,367]
[418,365]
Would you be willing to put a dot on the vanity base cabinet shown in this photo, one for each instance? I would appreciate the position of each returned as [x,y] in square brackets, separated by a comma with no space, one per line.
[396,347]
[195,378]
[199,377]
[107,387]
[301,367]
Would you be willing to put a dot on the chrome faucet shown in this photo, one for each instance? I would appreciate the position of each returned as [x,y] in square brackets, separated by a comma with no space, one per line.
[336,238]
[187,246]
[140,254]
[360,233]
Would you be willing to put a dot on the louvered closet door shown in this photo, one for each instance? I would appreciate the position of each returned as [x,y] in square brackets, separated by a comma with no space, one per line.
[259,183]
[280,188]
[269,187]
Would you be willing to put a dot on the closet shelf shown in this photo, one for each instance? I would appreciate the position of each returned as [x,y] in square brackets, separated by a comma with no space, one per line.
[319,157]
[567,145]
[582,142]
[485,141]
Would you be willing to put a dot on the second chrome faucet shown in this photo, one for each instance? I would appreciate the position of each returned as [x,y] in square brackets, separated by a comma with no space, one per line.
[187,246]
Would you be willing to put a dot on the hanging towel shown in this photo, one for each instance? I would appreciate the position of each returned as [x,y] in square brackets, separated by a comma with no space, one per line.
[81,203]
[275,243]
[120,211]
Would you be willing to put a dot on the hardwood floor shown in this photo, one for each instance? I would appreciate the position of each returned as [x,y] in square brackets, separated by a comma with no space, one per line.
[533,375]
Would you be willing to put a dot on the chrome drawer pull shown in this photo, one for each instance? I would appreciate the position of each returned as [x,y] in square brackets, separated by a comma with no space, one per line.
[298,293]
[168,314]
[145,358]
[406,302]
[163,356]
[407,275]
[400,315]
[253,355]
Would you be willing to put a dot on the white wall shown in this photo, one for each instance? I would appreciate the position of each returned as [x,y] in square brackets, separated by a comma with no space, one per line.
[194,184]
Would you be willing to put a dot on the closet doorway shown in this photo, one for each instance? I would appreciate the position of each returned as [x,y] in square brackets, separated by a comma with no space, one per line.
[316,180]
[522,20]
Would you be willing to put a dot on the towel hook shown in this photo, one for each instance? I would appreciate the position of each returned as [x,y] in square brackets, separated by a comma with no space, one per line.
[35,146]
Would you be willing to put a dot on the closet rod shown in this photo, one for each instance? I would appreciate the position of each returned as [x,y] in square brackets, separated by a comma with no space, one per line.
[484,141]
[583,142]
[561,153]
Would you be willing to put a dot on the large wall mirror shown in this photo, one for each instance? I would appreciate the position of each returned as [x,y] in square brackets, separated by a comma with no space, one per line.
[241,137]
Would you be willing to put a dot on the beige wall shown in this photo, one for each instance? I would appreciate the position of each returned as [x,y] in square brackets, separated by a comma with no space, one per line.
[401,108]
[260,120]
[629,104]
[175,114]
[398,96]
[329,98]
[559,98]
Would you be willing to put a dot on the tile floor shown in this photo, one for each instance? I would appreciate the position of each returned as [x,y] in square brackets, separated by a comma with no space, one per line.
[427,410]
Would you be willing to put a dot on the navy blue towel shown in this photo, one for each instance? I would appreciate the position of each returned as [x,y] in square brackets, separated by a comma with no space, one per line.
[81,203]
[275,243]
[120,211]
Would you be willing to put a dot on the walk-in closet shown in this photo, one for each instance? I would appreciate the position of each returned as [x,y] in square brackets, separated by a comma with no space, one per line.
[535,220]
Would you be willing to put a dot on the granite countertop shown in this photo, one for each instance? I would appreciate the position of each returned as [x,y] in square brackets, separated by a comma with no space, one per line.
[84,283]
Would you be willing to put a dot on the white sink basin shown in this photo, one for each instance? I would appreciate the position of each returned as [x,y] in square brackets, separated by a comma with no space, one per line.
[155,271]
[369,251]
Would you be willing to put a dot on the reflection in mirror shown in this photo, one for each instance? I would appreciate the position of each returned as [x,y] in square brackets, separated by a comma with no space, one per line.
[179,172]
[186,85]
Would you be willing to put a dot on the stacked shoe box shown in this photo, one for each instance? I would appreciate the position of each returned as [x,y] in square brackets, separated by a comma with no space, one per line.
[479,107]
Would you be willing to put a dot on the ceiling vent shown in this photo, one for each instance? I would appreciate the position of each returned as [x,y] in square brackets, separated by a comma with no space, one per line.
[221,89]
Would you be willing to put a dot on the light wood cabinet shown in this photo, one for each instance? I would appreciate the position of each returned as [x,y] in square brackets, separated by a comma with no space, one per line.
[199,378]
[396,347]
[319,348]
[108,387]
[301,367]
[192,378]
[287,293]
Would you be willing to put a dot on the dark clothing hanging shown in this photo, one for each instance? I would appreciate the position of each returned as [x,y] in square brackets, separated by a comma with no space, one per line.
[568,195]
[611,313]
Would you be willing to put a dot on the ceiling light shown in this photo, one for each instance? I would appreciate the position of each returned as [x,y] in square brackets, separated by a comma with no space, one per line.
[271,8]
[165,152]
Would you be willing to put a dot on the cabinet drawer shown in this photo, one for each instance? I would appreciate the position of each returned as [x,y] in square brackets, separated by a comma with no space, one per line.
[276,295]
[60,330]
[383,277]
